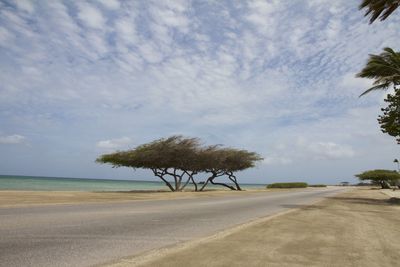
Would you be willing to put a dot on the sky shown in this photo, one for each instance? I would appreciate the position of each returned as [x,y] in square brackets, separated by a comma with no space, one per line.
[83,78]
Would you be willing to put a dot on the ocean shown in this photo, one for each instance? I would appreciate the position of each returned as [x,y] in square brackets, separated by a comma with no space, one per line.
[11,182]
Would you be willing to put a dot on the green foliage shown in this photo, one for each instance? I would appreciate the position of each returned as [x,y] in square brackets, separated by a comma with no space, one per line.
[382,177]
[288,185]
[177,156]
[384,69]
[390,120]
[225,159]
[317,185]
[379,8]
[379,175]
[182,153]
[172,152]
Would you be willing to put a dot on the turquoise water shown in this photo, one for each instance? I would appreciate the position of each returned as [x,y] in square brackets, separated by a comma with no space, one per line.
[9,182]
[73,184]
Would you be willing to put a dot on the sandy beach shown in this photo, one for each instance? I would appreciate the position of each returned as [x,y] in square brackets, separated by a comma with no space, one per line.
[23,198]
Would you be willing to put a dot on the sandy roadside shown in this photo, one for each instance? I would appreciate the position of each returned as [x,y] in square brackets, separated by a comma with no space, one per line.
[10,198]
[23,198]
[358,228]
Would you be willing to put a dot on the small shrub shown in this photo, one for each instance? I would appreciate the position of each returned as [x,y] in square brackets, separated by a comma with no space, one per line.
[317,185]
[287,185]
[364,184]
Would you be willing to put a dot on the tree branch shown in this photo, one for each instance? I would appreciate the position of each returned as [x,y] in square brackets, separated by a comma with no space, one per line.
[214,175]
[234,180]
[173,175]
[190,177]
[160,175]
[228,186]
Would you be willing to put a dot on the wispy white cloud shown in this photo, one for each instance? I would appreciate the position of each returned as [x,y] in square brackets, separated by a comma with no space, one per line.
[251,74]
[277,160]
[114,143]
[25,5]
[91,16]
[5,36]
[12,139]
[325,150]
[110,4]
[125,28]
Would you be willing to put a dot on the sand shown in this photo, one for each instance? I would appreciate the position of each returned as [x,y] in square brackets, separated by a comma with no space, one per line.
[357,228]
[10,198]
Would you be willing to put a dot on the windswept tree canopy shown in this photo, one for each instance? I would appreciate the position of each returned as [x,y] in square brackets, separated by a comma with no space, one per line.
[382,177]
[381,9]
[219,161]
[177,157]
[172,152]
[164,157]
[225,159]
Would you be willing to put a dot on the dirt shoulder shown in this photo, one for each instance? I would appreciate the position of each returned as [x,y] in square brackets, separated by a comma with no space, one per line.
[10,198]
[357,228]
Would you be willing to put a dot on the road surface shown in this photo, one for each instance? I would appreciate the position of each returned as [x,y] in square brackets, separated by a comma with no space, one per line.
[90,234]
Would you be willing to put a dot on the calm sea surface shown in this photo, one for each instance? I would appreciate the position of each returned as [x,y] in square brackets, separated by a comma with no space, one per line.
[9,182]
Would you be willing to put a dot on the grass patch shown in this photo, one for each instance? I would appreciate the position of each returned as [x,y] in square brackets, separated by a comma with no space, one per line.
[317,185]
[287,185]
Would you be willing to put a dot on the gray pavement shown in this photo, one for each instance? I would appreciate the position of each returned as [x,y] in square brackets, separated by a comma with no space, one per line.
[90,234]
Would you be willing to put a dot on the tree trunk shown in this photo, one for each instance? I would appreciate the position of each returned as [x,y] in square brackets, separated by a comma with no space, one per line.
[186,183]
[176,178]
[176,181]
[160,175]
[167,183]
[385,185]
[233,179]
[194,183]
[190,178]
[230,187]
[207,181]
[211,180]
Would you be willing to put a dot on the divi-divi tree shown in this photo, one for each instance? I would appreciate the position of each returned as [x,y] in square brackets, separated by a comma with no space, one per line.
[177,160]
[382,177]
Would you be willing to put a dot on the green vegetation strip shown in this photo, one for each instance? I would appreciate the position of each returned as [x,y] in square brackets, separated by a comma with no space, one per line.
[287,185]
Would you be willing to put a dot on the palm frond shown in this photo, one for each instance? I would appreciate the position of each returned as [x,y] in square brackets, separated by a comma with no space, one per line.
[374,88]
[381,9]
[384,69]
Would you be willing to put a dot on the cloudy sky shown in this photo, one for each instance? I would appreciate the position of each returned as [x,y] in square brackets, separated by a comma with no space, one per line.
[78,79]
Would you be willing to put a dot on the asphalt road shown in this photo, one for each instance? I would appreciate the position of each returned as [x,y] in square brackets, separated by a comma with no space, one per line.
[90,234]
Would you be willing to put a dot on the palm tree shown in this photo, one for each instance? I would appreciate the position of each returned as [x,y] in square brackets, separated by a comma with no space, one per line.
[384,69]
[379,8]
